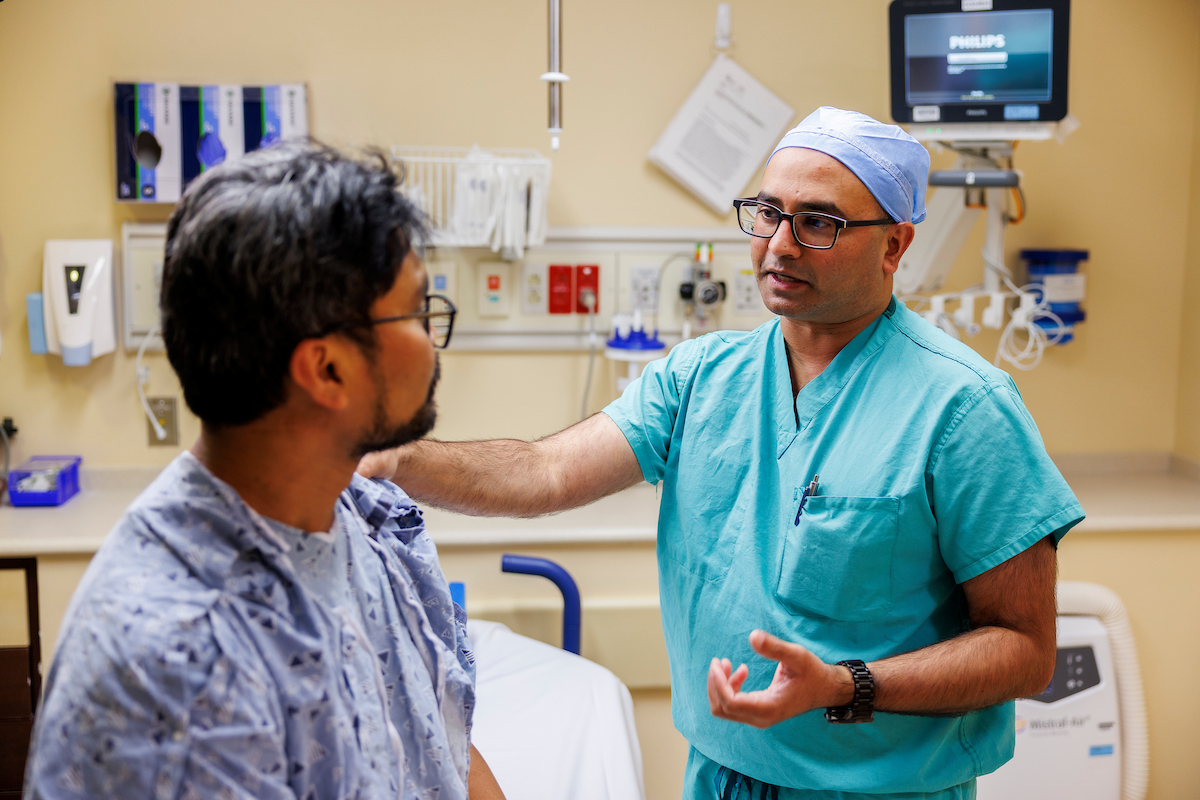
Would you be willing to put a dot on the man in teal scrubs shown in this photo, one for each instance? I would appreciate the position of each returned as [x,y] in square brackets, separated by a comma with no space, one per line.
[846,491]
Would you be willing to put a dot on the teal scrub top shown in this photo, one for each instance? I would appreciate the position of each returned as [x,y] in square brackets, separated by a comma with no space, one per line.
[931,472]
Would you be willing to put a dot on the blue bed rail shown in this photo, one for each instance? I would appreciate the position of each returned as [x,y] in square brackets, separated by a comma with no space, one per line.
[528,565]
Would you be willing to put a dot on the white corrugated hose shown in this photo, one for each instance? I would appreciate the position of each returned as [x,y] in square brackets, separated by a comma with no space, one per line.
[1090,599]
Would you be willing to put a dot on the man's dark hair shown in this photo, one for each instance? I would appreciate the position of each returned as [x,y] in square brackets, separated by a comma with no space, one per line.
[282,245]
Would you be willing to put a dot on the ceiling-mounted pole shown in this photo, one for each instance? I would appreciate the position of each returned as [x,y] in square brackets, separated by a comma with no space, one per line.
[555,76]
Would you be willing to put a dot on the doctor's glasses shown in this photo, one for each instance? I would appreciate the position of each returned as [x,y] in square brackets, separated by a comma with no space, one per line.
[812,229]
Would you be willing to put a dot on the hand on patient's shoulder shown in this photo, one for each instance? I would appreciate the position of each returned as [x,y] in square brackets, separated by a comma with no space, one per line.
[382,464]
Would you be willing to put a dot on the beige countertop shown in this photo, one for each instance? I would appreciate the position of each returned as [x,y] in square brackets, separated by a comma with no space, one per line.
[1145,497]
[78,525]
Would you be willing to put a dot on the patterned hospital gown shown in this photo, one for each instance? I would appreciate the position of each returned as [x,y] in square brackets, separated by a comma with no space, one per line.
[195,662]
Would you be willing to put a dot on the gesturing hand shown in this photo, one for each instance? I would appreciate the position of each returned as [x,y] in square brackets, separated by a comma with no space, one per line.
[802,682]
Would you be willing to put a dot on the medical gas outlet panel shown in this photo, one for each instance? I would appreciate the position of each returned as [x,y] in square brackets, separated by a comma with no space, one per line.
[551,300]
[556,299]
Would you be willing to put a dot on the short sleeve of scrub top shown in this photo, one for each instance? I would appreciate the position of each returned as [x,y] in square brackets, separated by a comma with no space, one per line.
[993,434]
[647,411]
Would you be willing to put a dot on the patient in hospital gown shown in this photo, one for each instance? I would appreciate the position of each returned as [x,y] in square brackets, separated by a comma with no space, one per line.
[262,622]
[211,653]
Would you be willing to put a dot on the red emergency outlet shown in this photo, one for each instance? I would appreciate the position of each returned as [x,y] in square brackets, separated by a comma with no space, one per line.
[493,283]
[561,296]
[587,276]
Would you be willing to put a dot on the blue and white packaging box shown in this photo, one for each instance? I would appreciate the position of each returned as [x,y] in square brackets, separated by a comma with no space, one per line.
[207,125]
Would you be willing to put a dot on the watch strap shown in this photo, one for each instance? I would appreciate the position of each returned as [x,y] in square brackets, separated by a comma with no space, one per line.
[862,706]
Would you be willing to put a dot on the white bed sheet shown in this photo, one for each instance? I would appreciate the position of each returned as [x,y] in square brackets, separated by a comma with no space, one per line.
[550,724]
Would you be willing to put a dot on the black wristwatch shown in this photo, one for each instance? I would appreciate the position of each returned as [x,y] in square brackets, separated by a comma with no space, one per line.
[862,707]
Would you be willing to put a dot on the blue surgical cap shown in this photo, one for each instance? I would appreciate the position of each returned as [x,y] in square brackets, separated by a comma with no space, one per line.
[893,165]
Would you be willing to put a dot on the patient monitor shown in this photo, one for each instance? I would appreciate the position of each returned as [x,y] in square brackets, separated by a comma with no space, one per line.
[977,75]
[980,69]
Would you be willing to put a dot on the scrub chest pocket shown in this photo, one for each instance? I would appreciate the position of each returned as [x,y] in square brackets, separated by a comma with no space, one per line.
[837,563]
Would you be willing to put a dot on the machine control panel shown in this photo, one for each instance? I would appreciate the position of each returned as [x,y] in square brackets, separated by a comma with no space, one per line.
[1074,671]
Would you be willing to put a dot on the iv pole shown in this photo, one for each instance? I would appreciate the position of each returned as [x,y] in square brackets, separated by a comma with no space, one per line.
[555,77]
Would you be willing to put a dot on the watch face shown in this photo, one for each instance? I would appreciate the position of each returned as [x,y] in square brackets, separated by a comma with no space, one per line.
[847,715]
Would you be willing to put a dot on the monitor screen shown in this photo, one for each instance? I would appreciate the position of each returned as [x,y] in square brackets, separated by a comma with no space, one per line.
[1006,63]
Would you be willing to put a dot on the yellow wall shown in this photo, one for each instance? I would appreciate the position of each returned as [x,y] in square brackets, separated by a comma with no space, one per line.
[1187,438]
[459,73]
[455,73]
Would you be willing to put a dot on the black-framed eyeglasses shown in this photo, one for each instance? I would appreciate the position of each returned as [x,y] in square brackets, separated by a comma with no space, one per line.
[811,229]
[437,318]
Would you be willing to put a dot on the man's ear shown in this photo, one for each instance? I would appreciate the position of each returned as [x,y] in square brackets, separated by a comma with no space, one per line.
[320,368]
[898,240]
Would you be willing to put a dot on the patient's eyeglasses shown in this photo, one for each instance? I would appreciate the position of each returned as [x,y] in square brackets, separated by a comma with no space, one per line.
[437,318]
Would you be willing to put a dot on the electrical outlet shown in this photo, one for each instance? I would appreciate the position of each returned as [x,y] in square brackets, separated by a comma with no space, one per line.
[163,409]
[746,297]
[535,289]
[643,285]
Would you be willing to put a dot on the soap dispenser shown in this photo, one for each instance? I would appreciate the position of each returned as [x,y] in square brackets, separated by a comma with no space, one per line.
[77,299]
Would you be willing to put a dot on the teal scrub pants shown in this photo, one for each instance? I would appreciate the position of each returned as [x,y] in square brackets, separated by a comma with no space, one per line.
[705,779]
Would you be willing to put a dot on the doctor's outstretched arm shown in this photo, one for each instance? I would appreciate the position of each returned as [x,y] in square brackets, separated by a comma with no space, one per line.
[511,478]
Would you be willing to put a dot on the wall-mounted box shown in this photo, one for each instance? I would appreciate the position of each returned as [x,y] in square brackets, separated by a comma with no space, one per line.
[143,247]
[167,134]
[149,141]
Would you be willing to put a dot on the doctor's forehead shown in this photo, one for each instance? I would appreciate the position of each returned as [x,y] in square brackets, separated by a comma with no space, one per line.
[812,178]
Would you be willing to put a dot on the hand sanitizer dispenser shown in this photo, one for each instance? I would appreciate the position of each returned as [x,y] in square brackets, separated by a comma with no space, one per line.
[77,299]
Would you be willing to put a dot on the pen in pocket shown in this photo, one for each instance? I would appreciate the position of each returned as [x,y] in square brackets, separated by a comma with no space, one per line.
[809,491]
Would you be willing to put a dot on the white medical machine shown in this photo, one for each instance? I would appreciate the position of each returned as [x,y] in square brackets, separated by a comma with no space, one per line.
[1085,735]
[77,299]
[977,76]
[1068,737]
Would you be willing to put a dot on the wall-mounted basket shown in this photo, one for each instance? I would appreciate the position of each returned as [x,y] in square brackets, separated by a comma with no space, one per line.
[476,197]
